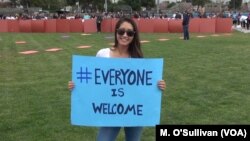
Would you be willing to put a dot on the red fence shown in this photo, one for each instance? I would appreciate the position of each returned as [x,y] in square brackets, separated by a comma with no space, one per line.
[218,25]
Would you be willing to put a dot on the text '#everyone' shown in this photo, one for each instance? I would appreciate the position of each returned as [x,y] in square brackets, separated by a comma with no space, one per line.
[123,77]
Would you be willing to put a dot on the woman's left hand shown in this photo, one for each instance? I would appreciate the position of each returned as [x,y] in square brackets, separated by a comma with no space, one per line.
[161,85]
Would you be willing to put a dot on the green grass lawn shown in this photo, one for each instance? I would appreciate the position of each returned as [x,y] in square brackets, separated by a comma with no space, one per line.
[207,82]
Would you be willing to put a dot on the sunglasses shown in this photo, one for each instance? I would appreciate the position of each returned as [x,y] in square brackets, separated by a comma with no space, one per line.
[129,32]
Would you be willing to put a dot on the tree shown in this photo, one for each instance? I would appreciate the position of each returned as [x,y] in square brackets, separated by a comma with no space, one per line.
[99,5]
[13,3]
[71,2]
[94,4]
[135,4]
[45,4]
[148,3]
[235,4]
[25,3]
[200,3]
[171,5]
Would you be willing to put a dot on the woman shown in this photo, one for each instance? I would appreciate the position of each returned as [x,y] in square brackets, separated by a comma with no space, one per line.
[127,45]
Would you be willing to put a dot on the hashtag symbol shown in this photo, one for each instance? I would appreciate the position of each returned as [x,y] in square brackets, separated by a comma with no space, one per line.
[84,75]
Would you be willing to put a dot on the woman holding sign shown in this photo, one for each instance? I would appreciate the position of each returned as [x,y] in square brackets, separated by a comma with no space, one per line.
[127,45]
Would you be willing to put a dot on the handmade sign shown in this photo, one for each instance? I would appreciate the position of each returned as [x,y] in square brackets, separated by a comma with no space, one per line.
[115,91]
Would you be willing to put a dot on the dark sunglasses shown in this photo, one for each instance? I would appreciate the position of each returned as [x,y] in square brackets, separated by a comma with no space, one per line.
[129,32]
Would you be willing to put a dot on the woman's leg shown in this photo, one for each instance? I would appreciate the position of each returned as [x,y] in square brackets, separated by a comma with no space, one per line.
[133,133]
[108,133]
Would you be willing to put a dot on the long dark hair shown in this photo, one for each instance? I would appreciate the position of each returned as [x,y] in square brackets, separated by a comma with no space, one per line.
[134,48]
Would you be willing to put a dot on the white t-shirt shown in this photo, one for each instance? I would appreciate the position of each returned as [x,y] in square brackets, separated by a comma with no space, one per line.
[243,18]
[105,52]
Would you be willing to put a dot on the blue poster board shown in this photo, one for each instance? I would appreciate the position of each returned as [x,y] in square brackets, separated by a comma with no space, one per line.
[115,91]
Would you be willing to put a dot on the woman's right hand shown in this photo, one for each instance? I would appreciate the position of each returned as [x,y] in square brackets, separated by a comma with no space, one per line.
[71,85]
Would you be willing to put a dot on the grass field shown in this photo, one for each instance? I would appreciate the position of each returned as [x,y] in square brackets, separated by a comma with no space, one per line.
[207,82]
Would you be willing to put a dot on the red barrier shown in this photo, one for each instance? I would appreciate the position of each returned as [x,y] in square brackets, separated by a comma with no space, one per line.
[194,25]
[50,25]
[175,26]
[37,26]
[90,26]
[146,25]
[76,25]
[3,26]
[161,26]
[207,25]
[13,26]
[224,25]
[25,25]
[62,25]
[137,23]
[114,21]
[106,25]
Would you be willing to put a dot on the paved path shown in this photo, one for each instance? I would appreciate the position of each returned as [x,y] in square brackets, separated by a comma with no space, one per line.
[238,28]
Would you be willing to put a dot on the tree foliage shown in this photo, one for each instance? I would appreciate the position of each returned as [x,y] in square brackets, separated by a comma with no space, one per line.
[235,4]
[45,4]
[71,2]
[93,4]
[148,3]
[200,2]
[137,4]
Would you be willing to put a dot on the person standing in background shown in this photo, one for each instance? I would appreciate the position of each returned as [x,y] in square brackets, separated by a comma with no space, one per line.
[185,25]
[248,21]
[99,22]
[234,17]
